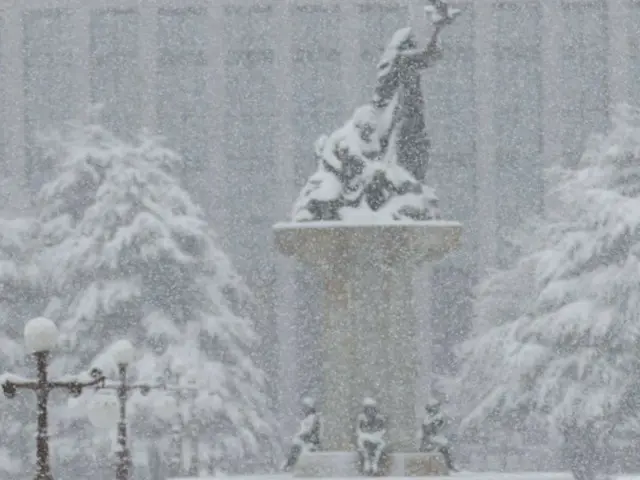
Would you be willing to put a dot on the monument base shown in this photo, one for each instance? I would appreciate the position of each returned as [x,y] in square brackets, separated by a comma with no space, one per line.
[345,464]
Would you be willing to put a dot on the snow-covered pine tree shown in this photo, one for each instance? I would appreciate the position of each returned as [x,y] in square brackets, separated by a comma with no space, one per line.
[501,300]
[583,337]
[20,300]
[132,256]
[570,351]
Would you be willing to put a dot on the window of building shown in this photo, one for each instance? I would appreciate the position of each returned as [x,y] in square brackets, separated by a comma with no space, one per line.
[517,114]
[182,104]
[115,78]
[49,54]
[250,82]
[518,76]
[585,51]
[248,27]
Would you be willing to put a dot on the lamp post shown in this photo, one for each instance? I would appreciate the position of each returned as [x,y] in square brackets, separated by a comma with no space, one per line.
[41,336]
[176,460]
[180,425]
[194,433]
[107,409]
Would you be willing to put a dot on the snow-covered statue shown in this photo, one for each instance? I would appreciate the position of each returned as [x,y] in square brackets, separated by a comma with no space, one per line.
[307,439]
[371,428]
[431,435]
[375,164]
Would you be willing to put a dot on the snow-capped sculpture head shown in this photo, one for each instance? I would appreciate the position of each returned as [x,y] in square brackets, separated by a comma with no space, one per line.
[40,335]
[372,168]
[432,405]
[369,402]
[402,39]
[370,406]
[308,402]
[365,123]
[308,405]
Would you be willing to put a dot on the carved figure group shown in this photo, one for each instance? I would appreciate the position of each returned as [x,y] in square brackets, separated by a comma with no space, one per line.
[370,430]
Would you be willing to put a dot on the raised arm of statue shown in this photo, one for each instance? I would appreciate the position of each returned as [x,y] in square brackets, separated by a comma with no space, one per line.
[422,58]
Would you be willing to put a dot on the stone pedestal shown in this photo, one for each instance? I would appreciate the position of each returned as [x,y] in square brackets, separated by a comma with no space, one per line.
[345,465]
[369,344]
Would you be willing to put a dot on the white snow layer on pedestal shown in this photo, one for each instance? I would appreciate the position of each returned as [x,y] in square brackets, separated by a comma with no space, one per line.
[465,475]
[40,335]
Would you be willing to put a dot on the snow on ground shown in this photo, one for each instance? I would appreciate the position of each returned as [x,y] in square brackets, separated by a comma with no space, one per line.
[464,475]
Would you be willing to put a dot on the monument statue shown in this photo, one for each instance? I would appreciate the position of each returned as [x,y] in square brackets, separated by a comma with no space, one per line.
[375,164]
[347,224]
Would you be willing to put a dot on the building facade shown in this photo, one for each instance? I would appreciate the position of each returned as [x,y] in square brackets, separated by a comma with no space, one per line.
[243,88]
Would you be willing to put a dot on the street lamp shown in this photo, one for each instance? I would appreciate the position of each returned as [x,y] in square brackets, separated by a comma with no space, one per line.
[190,425]
[176,460]
[41,336]
[106,409]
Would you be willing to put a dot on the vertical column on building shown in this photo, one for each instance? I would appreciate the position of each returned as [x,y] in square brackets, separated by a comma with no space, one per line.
[147,38]
[349,30]
[485,32]
[285,293]
[216,92]
[349,27]
[14,187]
[82,59]
[422,283]
[618,58]
[551,37]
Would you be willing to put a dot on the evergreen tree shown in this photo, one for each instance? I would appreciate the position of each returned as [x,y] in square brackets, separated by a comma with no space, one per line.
[132,256]
[568,350]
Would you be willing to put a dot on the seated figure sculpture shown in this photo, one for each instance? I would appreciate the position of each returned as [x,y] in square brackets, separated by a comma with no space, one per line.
[307,439]
[371,428]
[430,435]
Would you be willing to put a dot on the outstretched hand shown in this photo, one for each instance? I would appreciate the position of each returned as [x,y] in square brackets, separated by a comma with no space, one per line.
[441,13]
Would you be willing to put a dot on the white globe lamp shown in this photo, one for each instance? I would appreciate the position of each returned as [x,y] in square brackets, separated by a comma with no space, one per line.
[40,335]
[103,410]
[123,353]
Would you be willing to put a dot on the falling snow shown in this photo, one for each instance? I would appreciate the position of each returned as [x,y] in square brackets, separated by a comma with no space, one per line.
[152,152]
